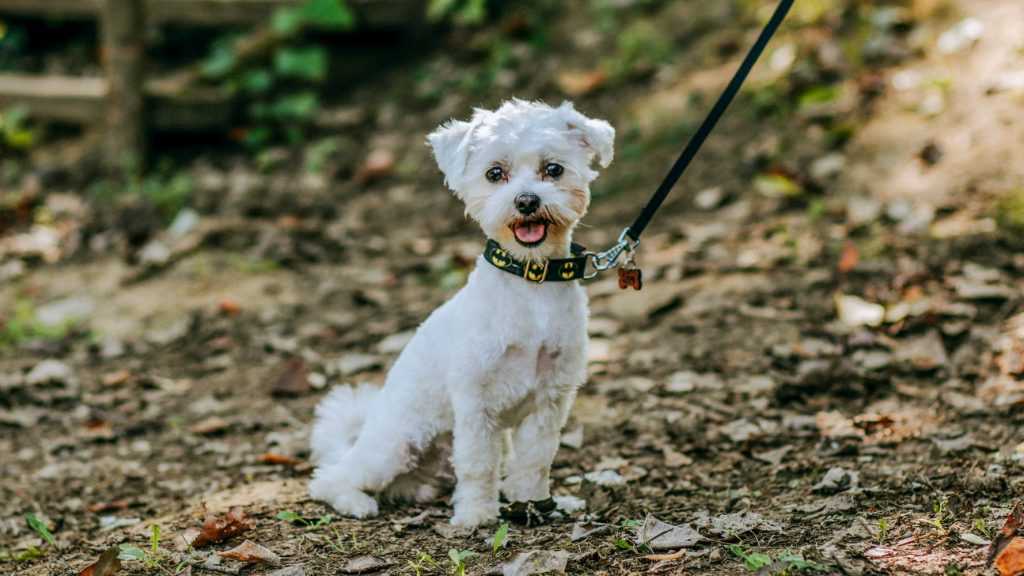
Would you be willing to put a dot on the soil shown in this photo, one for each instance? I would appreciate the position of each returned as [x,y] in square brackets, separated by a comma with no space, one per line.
[742,392]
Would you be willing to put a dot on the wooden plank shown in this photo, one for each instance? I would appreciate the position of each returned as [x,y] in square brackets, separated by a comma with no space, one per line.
[371,13]
[61,98]
[70,9]
[78,100]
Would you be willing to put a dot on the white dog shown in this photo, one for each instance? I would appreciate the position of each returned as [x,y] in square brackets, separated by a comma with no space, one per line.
[492,374]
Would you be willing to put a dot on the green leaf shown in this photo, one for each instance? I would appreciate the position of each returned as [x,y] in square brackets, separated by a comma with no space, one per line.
[308,63]
[129,552]
[818,95]
[439,9]
[221,61]
[498,541]
[299,106]
[154,538]
[30,553]
[332,14]
[288,516]
[257,81]
[777,186]
[286,21]
[40,528]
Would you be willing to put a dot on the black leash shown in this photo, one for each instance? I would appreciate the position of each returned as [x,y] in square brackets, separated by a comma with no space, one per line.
[630,237]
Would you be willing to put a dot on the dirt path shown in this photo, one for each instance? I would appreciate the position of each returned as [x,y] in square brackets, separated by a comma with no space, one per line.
[798,382]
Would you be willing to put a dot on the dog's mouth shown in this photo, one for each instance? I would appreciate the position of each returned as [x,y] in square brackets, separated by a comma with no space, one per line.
[530,232]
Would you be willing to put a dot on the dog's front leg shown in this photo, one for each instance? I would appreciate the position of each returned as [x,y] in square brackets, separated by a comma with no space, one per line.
[476,455]
[534,446]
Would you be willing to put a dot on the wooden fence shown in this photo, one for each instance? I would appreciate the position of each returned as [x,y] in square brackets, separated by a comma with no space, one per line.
[124,102]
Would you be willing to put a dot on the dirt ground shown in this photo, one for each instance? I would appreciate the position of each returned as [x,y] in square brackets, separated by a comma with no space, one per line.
[820,375]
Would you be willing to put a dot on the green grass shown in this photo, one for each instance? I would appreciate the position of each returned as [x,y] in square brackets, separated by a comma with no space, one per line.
[22,325]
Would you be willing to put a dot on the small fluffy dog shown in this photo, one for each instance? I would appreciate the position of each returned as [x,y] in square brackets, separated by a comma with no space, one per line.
[488,380]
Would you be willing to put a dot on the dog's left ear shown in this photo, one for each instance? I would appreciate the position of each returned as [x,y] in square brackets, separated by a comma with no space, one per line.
[597,135]
[451,150]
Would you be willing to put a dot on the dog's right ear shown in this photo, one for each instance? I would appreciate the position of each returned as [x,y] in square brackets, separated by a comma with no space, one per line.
[451,150]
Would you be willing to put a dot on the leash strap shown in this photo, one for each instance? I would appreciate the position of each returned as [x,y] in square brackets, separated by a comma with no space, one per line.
[698,138]
[551,270]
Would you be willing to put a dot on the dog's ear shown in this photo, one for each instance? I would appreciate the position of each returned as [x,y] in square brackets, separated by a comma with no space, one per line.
[597,135]
[451,149]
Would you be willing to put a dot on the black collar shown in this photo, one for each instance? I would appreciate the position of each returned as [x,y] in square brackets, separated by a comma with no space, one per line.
[551,270]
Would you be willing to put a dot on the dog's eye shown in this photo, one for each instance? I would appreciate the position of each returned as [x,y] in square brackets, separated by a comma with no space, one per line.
[495,174]
[553,170]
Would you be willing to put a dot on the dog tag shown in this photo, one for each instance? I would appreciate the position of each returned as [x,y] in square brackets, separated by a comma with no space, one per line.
[630,278]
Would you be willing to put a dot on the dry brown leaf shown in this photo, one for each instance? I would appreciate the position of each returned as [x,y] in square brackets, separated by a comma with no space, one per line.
[1007,535]
[578,83]
[666,557]
[108,506]
[229,307]
[208,426]
[849,258]
[218,529]
[282,459]
[107,565]
[1010,562]
[250,552]
[116,378]
[292,379]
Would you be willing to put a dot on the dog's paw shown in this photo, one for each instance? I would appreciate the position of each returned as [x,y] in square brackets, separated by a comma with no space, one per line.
[345,500]
[475,515]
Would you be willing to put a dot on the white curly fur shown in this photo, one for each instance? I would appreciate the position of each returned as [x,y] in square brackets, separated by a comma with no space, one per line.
[491,375]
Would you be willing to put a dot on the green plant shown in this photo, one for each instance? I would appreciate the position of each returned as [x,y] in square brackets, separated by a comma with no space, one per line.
[281,88]
[423,562]
[639,49]
[499,538]
[458,558]
[883,530]
[461,12]
[786,564]
[40,528]
[939,512]
[981,527]
[152,558]
[22,325]
[752,560]
[293,518]
[14,130]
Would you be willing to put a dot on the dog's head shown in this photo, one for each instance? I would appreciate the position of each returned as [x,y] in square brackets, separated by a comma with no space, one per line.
[524,171]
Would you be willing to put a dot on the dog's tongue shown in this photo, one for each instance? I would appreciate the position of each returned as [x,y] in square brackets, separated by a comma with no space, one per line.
[530,232]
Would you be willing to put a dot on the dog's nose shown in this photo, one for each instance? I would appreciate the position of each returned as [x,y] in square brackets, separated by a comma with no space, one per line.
[527,203]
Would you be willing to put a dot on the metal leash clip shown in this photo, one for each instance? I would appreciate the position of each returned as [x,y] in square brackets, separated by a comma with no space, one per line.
[609,259]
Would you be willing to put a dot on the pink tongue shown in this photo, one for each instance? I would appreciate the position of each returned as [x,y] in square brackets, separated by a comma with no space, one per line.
[530,232]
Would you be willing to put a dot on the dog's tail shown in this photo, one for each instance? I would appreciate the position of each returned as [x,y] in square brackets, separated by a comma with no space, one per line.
[339,418]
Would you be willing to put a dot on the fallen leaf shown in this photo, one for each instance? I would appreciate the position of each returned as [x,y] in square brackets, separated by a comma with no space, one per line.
[108,506]
[107,565]
[292,379]
[378,164]
[217,529]
[666,557]
[849,258]
[658,535]
[579,83]
[282,459]
[1007,534]
[365,565]
[116,378]
[536,562]
[1010,561]
[837,479]
[229,307]
[582,530]
[209,426]
[250,552]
